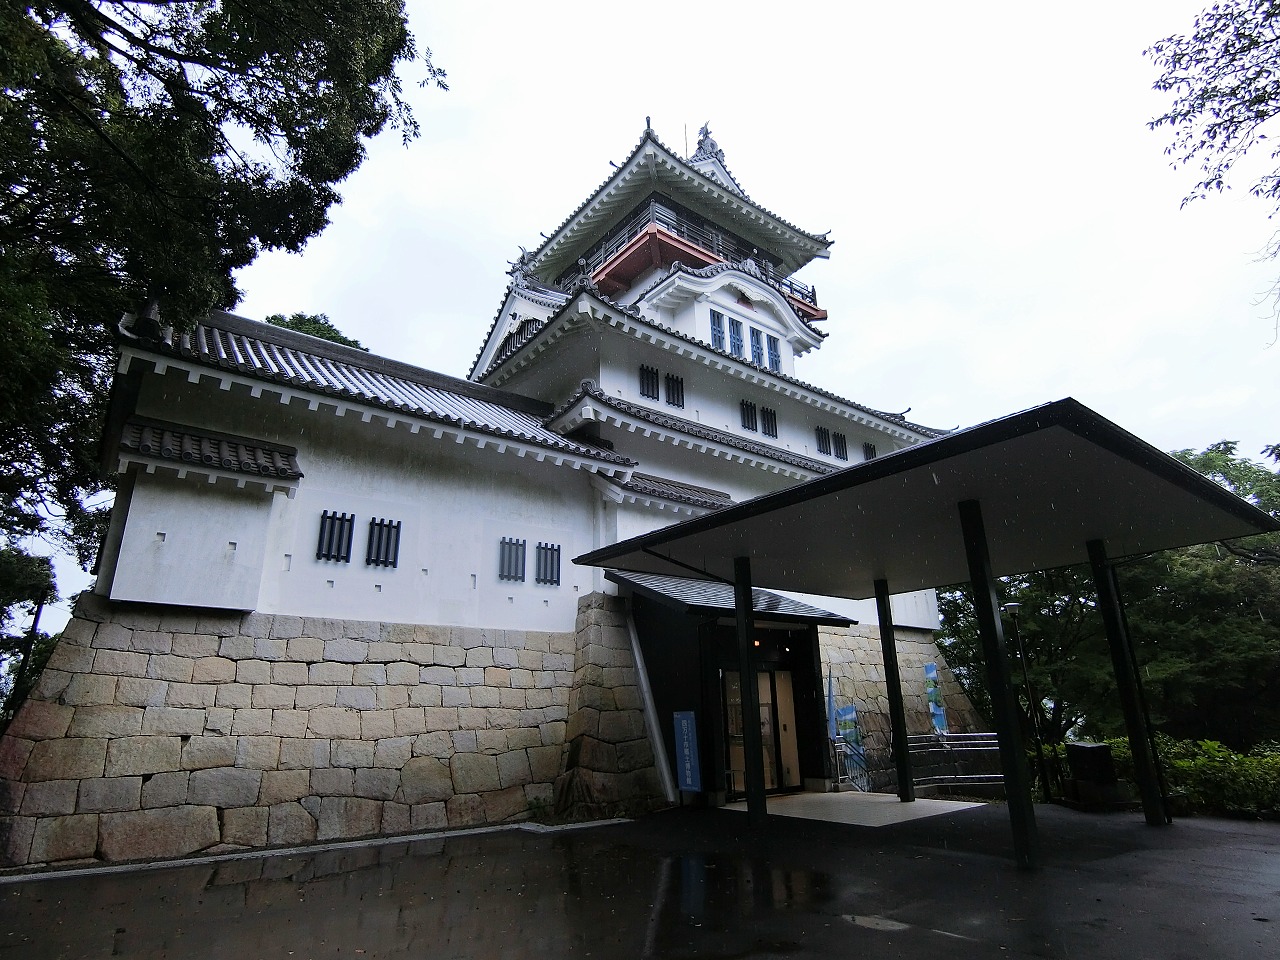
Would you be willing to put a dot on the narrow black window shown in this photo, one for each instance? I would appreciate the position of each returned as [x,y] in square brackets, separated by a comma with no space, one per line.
[717,329]
[649,382]
[735,337]
[675,390]
[769,421]
[335,536]
[511,559]
[868,451]
[384,543]
[840,446]
[775,355]
[749,421]
[823,436]
[548,564]
[757,347]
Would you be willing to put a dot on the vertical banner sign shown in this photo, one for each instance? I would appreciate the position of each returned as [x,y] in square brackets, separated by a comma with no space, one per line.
[933,693]
[688,770]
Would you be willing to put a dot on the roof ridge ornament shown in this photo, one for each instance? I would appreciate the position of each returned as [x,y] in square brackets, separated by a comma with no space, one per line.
[707,148]
[521,267]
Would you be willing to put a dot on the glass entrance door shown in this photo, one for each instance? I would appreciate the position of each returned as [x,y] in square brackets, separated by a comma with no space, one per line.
[777,724]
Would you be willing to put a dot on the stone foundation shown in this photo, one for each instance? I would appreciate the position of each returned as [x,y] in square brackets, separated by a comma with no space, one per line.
[158,732]
[855,660]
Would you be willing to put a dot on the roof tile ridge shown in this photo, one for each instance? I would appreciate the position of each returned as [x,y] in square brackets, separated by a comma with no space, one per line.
[711,433]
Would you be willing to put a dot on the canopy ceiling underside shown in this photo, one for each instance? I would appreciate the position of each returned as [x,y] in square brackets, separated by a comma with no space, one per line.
[1048,480]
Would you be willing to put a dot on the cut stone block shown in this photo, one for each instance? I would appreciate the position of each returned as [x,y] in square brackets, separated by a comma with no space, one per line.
[41,720]
[289,823]
[424,779]
[65,838]
[52,798]
[474,773]
[106,721]
[135,756]
[165,790]
[224,787]
[342,817]
[160,833]
[245,825]
[109,794]
[69,759]
[201,753]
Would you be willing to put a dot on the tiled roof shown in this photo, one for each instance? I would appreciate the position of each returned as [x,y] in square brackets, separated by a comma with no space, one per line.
[276,355]
[635,314]
[650,137]
[690,428]
[713,595]
[184,444]
[675,491]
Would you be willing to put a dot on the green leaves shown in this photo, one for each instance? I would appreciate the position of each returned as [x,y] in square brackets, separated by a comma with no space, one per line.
[147,151]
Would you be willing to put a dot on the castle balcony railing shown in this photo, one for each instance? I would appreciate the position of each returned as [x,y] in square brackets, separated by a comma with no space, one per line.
[719,245]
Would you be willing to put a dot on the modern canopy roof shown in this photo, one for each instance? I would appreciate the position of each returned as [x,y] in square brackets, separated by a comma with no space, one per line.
[688,595]
[1049,480]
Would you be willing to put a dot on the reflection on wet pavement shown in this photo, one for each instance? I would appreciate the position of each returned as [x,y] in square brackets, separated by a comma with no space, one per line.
[684,885]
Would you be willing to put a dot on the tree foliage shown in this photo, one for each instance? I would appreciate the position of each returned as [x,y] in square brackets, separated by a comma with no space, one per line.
[147,151]
[1204,621]
[315,325]
[1225,82]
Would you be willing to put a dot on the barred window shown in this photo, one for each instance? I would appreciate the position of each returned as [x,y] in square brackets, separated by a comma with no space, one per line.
[823,436]
[775,355]
[769,421]
[717,329]
[735,337]
[749,415]
[840,446]
[511,559]
[649,382]
[757,347]
[868,451]
[336,531]
[383,549]
[675,390]
[547,559]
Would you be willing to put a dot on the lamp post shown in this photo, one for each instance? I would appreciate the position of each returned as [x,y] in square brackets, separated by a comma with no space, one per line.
[1032,710]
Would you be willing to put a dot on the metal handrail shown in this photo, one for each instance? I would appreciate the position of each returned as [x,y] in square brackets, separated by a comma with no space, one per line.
[722,246]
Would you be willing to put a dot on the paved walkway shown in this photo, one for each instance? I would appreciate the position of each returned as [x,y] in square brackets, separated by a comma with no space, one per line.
[690,883]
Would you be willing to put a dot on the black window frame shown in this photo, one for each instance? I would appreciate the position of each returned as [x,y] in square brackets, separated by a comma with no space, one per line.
[769,422]
[649,382]
[547,564]
[674,385]
[840,446]
[757,346]
[775,354]
[735,337]
[868,450]
[383,546]
[337,530]
[750,420]
[511,559]
[717,330]
[822,438]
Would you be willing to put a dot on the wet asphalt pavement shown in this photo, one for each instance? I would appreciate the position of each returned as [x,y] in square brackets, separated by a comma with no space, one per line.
[691,884]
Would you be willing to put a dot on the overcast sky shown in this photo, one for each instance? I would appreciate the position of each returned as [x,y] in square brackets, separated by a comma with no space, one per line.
[1007,229]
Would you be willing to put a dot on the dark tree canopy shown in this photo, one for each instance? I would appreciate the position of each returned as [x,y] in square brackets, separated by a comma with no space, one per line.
[147,151]
[316,325]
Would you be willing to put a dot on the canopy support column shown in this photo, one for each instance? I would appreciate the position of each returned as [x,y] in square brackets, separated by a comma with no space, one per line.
[752,744]
[1004,704]
[893,683]
[1144,766]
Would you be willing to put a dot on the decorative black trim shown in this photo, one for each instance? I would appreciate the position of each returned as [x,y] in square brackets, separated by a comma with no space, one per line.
[383,548]
[547,564]
[334,541]
[511,559]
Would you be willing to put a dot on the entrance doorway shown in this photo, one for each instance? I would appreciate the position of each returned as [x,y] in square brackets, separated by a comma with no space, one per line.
[777,732]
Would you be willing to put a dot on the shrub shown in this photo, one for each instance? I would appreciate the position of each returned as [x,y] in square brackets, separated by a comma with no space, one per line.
[1214,778]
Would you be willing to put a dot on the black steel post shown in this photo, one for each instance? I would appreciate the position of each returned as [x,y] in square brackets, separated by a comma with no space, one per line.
[893,685]
[1144,767]
[1004,704]
[1033,708]
[752,744]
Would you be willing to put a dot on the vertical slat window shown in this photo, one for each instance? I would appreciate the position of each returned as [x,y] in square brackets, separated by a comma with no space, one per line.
[735,337]
[511,559]
[757,347]
[749,421]
[868,451]
[823,437]
[769,422]
[548,564]
[840,446]
[383,549]
[649,382]
[336,531]
[775,355]
[717,329]
[675,390]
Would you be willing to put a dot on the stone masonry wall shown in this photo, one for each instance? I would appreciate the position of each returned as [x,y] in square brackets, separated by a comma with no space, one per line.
[854,657]
[158,732]
[609,761]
